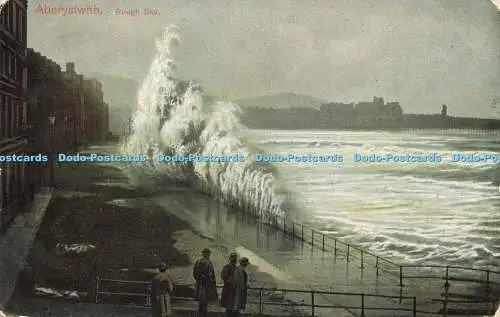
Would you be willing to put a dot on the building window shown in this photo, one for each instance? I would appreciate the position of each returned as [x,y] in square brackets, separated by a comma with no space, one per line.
[2,19]
[13,74]
[4,61]
[11,119]
[19,72]
[11,65]
[5,15]
[20,24]
[7,64]
[11,16]
[2,107]
[5,116]
[14,13]
[15,112]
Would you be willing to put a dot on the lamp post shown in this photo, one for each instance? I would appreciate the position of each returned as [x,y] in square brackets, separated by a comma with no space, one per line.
[66,141]
[52,121]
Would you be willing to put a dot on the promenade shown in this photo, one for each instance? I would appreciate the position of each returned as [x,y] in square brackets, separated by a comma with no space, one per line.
[315,261]
[16,243]
[288,260]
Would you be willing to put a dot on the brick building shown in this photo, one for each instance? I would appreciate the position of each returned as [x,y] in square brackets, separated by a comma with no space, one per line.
[75,106]
[12,106]
[44,98]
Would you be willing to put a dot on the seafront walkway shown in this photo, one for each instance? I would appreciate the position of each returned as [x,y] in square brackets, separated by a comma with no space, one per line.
[323,263]
[15,244]
[316,274]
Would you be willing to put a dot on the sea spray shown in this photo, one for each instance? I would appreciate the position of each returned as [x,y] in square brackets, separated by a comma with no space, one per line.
[175,117]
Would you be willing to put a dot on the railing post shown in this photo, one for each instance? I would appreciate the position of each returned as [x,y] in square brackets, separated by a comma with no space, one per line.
[293,229]
[446,289]
[376,266]
[323,243]
[97,284]
[445,307]
[284,225]
[401,275]
[362,305]
[488,281]
[348,251]
[312,238]
[148,296]
[414,307]
[446,279]
[260,300]
[302,234]
[312,303]
[362,260]
[335,247]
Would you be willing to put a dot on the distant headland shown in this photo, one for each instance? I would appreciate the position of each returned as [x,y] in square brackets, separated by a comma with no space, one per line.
[365,115]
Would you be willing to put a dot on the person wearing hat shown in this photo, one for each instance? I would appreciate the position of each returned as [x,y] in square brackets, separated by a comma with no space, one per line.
[206,287]
[238,299]
[226,275]
[162,286]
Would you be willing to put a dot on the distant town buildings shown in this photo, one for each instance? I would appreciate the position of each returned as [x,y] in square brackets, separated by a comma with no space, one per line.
[12,105]
[365,112]
[364,115]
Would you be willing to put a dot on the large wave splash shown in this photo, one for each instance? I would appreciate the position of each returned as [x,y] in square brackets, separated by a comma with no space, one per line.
[175,117]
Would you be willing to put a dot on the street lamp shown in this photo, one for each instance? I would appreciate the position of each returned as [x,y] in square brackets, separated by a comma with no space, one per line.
[52,121]
[66,141]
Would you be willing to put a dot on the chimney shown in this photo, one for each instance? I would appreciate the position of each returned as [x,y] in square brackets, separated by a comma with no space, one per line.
[70,68]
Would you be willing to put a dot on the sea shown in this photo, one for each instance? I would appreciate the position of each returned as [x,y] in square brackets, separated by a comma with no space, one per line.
[440,212]
[434,212]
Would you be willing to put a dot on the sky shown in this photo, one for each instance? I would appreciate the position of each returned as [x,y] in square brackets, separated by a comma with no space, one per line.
[421,53]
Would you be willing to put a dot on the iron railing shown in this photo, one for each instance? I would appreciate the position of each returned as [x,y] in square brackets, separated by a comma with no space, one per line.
[309,301]
[328,243]
[401,274]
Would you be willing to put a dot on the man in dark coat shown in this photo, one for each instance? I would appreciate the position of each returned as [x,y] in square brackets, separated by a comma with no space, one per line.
[226,275]
[206,287]
[161,288]
[238,299]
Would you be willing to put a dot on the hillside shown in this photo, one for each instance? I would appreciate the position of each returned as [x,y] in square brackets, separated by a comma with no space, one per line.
[281,101]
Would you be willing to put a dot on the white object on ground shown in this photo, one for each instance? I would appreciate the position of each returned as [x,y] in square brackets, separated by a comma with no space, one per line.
[74,248]
[54,293]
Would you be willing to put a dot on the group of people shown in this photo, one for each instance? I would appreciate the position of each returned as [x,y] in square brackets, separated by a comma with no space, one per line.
[233,295]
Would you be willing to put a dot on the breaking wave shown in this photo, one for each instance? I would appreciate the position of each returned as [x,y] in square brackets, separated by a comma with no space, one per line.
[174,116]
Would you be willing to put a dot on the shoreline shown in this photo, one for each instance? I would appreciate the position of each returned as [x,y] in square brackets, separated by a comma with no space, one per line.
[97,224]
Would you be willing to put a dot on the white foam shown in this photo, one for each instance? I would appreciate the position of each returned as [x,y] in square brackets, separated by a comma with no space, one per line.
[176,117]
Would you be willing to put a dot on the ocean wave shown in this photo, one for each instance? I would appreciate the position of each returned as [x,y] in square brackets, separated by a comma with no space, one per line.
[174,116]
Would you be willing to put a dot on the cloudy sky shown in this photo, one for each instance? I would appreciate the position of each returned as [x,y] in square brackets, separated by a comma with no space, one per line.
[422,53]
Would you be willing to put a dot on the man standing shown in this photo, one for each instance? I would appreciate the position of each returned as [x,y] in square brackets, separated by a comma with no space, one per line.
[226,275]
[239,281]
[161,288]
[206,287]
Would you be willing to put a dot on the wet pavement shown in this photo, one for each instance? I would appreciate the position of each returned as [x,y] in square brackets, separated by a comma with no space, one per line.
[55,308]
[298,265]
[16,243]
[295,265]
